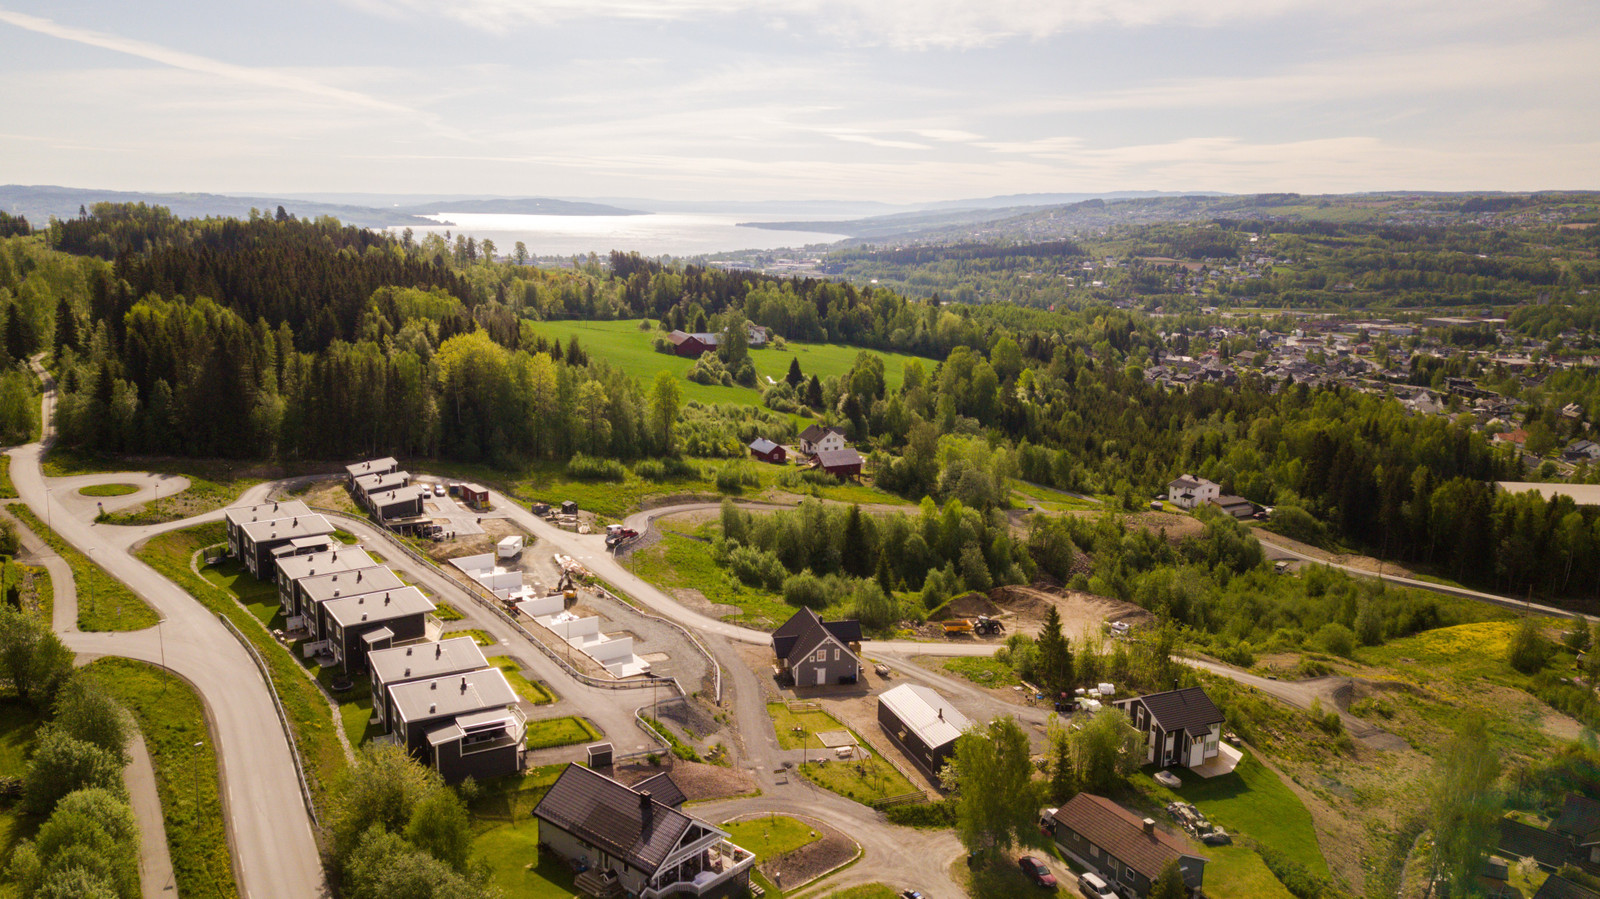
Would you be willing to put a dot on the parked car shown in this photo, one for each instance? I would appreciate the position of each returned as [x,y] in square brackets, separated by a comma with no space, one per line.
[1092,887]
[1037,872]
[911,894]
[438,490]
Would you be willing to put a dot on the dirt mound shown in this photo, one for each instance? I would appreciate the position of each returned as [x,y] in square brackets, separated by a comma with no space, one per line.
[969,606]
[699,782]
[1027,607]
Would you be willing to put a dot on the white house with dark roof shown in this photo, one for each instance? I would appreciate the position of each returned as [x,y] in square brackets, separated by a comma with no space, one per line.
[633,844]
[817,438]
[1187,491]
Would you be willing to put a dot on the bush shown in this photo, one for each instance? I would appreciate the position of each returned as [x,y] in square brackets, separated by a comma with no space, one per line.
[1298,524]
[1335,639]
[589,468]
[1528,651]
[757,568]
[662,469]
[927,815]
[63,765]
[805,589]
[733,478]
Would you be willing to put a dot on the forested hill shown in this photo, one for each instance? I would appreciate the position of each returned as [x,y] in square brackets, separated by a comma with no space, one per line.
[308,340]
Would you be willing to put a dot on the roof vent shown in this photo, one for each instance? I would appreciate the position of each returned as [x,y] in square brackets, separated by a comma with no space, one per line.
[408,672]
[385,599]
[432,709]
[434,685]
[438,650]
[363,616]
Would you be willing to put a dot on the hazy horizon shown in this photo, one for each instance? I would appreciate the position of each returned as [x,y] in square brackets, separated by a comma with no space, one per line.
[920,101]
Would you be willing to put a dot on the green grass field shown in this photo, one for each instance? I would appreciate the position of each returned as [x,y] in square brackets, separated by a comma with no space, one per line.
[566,731]
[308,712]
[506,837]
[108,489]
[172,719]
[678,561]
[104,603]
[866,891]
[534,692]
[8,490]
[1250,801]
[793,727]
[984,670]
[481,638]
[260,597]
[770,836]
[624,345]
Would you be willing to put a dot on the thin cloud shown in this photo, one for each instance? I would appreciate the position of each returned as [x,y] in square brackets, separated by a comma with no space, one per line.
[268,78]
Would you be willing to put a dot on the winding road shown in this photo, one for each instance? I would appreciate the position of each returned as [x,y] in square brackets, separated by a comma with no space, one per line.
[274,850]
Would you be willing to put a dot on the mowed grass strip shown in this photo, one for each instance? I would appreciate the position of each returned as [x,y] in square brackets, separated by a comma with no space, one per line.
[108,489]
[532,691]
[799,729]
[866,891]
[172,719]
[8,490]
[104,603]
[309,716]
[566,731]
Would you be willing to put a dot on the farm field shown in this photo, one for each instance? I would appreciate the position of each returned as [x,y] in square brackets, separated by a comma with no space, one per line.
[625,345]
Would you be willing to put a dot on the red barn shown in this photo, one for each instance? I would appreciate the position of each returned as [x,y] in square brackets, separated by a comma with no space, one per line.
[844,463]
[685,344]
[767,451]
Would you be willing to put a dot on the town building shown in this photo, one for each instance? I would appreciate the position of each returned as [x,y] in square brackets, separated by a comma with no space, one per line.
[309,595]
[418,661]
[371,466]
[475,496]
[632,844]
[238,517]
[1125,850]
[1236,506]
[923,724]
[814,652]
[357,625]
[293,568]
[258,539]
[466,724]
[1181,727]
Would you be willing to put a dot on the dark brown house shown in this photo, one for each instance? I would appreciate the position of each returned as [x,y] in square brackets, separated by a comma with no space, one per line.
[684,344]
[1126,851]
[1181,727]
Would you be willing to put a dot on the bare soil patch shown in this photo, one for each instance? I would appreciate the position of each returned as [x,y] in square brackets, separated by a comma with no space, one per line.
[1026,607]
[811,860]
[698,781]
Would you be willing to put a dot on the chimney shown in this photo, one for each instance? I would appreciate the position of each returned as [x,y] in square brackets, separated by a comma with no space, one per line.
[294,522]
[645,810]
[438,650]
[941,713]
[408,651]
[274,506]
[408,672]
[433,685]
[1150,826]
[385,599]
[463,683]
[358,577]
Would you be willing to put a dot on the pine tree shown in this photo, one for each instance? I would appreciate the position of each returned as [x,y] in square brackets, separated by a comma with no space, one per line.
[66,328]
[854,552]
[16,334]
[884,574]
[795,377]
[814,393]
[1055,654]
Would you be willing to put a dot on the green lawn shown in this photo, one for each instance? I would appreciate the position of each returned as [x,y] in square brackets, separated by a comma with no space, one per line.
[34,590]
[445,611]
[1235,872]
[866,781]
[172,719]
[678,561]
[516,867]
[18,724]
[624,345]
[213,483]
[479,637]
[771,835]
[345,537]
[985,670]
[1250,801]
[108,489]
[793,727]
[104,603]
[260,597]
[506,836]
[560,732]
[534,692]
[311,721]
[8,490]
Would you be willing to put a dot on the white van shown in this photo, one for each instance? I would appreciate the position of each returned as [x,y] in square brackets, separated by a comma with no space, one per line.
[1092,887]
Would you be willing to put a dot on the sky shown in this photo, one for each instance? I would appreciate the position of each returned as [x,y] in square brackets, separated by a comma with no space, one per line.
[901,101]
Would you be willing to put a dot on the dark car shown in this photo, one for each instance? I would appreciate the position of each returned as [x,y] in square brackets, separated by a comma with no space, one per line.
[1037,872]
[911,894]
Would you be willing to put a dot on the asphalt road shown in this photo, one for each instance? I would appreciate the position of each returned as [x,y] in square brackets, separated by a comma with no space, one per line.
[274,852]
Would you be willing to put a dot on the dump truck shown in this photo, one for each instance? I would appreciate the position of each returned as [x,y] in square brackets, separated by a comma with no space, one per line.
[982,625]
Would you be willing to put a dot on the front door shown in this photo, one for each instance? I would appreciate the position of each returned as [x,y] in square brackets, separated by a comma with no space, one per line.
[822,675]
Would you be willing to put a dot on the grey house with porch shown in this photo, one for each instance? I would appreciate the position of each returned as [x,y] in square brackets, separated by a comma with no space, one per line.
[311,594]
[1181,727]
[258,539]
[237,518]
[816,652]
[418,661]
[357,625]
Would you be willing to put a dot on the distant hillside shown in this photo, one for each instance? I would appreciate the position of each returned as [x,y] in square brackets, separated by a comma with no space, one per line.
[40,202]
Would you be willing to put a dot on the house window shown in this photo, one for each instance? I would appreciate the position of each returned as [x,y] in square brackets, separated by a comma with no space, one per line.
[836,654]
[1127,874]
[822,655]
[1094,851]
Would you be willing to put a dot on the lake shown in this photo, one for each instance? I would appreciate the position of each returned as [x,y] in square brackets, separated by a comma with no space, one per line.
[674,234]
